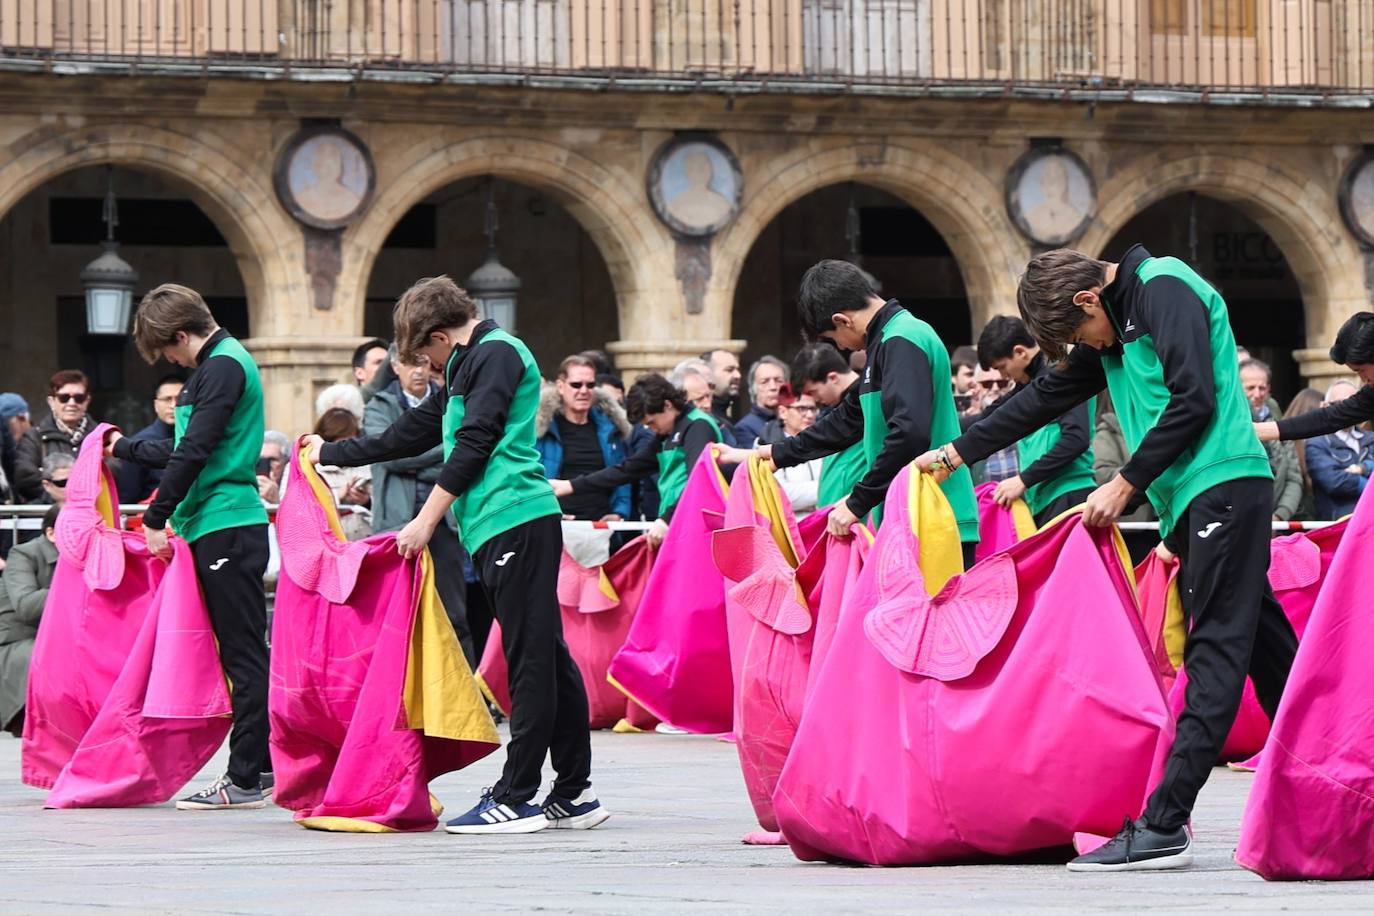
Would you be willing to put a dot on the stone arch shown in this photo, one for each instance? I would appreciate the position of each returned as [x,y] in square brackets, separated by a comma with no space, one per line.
[241,206]
[960,201]
[607,206]
[1299,214]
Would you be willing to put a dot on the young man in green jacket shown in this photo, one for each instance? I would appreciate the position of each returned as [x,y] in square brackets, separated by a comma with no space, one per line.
[493,482]
[209,492]
[1056,459]
[1158,336]
[902,406]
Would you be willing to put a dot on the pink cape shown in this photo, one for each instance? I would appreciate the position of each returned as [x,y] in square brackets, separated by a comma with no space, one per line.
[999,528]
[1311,809]
[370,695]
[126,698]
[1016,707]
[771,625]
[676,660]
[598,605]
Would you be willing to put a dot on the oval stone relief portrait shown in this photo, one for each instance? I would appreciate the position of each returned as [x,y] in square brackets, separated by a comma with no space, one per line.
[695,185]
[1357,199]
[325,177]
[1050,196]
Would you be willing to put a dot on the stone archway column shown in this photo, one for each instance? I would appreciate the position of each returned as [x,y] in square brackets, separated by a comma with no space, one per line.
[659,332]
[296,369]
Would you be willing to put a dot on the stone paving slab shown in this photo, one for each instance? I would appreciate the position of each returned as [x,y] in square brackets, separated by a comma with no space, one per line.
[672,847]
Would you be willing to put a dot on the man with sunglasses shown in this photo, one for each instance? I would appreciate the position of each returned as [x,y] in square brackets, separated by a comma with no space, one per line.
[988,387]
[136,482]
[69,396]
[581,431]
[801,482]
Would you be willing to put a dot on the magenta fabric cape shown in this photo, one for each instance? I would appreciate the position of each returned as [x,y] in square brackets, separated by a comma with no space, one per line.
[370,696]
[1016,707]
[598,605]
[676,660]
[1311,809]
[126,698]
[1154,578]
[997,527]
[771,630]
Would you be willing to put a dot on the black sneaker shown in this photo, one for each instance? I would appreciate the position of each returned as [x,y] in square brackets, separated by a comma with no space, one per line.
[1139,847]
[221,795]
[268,783]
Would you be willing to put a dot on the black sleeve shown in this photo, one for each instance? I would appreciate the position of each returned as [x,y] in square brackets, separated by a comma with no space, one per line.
[834,432]
[908,404]
[1048,397]
[415,432]
[639,466]
[1074,440]
[695,439]
[218,385]
[157,453]
[1355,409]
[496,370]
[1177,322]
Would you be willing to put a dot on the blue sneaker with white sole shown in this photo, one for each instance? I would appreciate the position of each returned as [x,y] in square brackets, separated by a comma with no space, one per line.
[581,813]
[491,816]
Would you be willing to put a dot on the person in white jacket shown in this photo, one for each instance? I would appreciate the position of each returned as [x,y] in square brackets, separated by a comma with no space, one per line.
[800,482]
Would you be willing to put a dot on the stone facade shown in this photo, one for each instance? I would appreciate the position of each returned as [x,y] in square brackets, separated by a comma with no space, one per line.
[589,152]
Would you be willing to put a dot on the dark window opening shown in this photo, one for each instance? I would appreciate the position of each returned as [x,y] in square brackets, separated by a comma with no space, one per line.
[166,223]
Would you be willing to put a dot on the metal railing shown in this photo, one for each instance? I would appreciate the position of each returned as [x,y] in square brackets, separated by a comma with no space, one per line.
[1277,49]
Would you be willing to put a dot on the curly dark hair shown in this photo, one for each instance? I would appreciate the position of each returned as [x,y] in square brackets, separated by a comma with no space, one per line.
[648,395]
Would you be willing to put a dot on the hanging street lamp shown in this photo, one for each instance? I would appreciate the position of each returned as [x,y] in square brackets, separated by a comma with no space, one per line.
[494,285]
[109,280]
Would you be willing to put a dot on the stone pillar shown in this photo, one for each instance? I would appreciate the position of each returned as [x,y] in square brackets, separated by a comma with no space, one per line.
[294,371]
[636,357]
[1318,371]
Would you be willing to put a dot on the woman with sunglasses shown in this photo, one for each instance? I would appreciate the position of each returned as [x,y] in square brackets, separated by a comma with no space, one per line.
[61,431]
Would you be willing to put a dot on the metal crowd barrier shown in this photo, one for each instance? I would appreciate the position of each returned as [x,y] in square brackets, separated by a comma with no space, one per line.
[29,518]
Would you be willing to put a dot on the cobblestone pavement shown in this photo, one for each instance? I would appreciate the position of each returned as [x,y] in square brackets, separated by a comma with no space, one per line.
[672,846]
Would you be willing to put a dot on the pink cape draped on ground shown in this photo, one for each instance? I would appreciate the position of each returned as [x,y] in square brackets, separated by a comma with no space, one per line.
[999,528]
[126,699]
[598,605]
[771,624]
[1311,809]
[676,660]
[1016,707]
[370,695]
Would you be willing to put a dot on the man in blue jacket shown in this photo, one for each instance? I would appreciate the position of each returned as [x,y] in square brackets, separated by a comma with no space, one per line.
[1339,463]
[582,430]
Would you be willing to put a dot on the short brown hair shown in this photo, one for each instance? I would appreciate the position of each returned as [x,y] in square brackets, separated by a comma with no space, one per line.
[337,423]
[577,359]
[165,311]
[68,377]
[432,304]
[1045,296]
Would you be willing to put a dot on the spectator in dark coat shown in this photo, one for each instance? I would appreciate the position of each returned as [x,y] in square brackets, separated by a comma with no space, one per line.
[136,482]
[1340,463]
